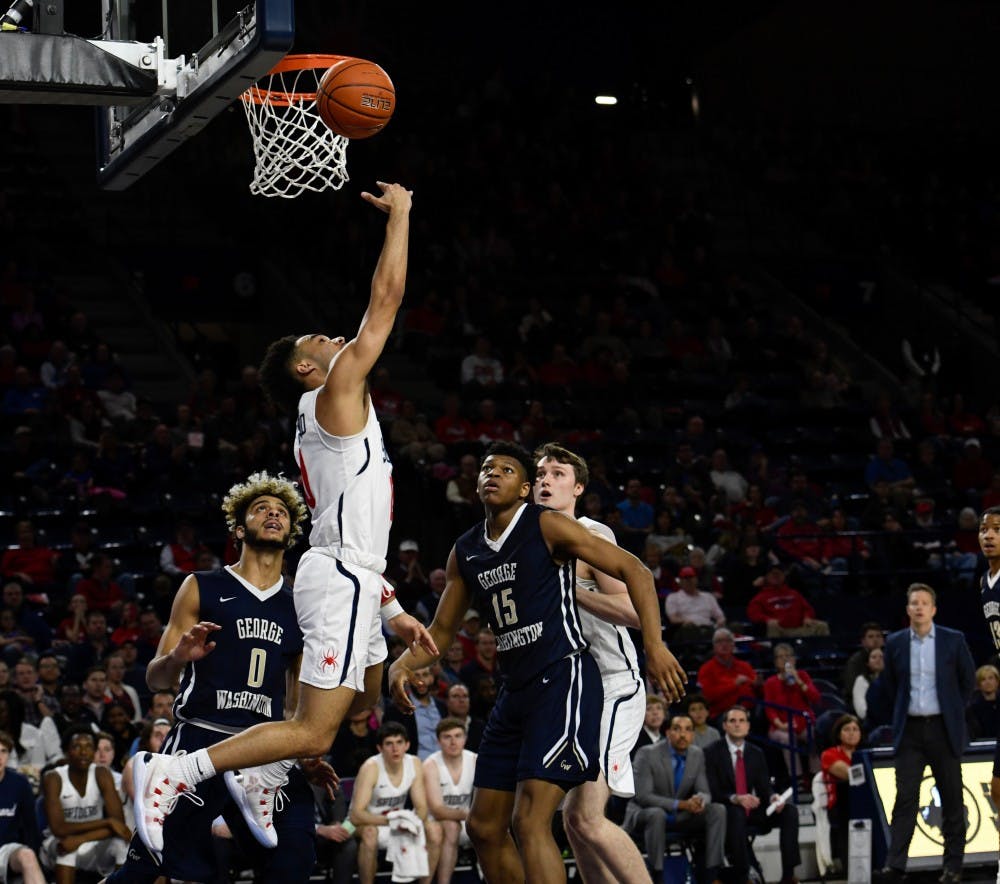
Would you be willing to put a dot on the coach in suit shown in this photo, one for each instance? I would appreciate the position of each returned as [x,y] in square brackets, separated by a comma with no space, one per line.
[671,793]
[738,779]
[927,682]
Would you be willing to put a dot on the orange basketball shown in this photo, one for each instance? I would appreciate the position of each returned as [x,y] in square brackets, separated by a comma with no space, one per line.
[355,98]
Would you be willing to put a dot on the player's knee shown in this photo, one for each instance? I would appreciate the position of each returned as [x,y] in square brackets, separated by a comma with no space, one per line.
[369,836]
[484,831]
[24,859]
[432,831]
[450,831]
[580,823]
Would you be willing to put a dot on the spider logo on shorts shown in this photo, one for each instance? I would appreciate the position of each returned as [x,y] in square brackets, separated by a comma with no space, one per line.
[329,658]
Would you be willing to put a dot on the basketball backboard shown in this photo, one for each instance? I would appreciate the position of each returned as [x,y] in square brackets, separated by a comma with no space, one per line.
[158,73]
[217,50]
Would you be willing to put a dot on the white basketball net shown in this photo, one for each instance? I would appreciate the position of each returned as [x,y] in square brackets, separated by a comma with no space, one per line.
[294,150]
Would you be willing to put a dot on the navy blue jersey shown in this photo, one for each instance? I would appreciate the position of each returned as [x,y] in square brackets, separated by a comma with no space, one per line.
[528,599]
[991,606]
[242,682]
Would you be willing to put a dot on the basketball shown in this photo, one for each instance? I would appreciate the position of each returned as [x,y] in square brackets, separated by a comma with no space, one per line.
[355,98]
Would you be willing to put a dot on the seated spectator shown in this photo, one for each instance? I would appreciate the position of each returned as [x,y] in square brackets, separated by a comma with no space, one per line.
[178,559]
[452,428]
[30,565]
[354,744]
[119,403]
[790,687]
[672,794]
[972,472]
[839,552]
[483,696]
[726,479]
[89,652]
[663,580]
[724,679]
[407,575]
[672,541]
[370,813]
[150,633]
[485,659]
[468,633]
[707,581]
[128,625]
[559,371]
[983,713]
[783,611]
[929,474]
[78,795]
[450,664]
[744,571]
[457,706]
[34,747]
[118,691]
[885,423]
[421,725]
[117,721]
[448,776]
[30,620]
[461,492]
[336,848]
[886,467]
[101,591]
[963,422]
[704,733]
[72,628]
[652,725]
[428,602]
[798,540]
[19,836]
[50,678]
[636,516]
[874,664]
[14,641]
[739,780]
[490,427]
[835,764]
[962,556]
[95,697]
[692,612]
[481,370]
[37,705]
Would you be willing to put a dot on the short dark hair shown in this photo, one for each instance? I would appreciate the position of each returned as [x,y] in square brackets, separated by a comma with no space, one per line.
[920,587]
[735,708]
[516,452]
[840,724]
[695,698]
[7,740]
[276,378]
[677,715]
[990,511]
[870,626]
[77,730]
[391,729]
[552,451]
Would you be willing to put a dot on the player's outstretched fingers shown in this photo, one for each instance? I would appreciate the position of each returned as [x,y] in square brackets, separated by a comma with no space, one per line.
[397,689]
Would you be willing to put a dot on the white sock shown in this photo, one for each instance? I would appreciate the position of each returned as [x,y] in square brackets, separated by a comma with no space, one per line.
[275,773]
[195,767]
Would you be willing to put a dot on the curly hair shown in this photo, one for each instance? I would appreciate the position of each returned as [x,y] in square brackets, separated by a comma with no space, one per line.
[276,378]
[240,496]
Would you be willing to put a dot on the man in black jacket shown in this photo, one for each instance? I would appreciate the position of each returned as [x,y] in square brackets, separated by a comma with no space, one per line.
[738,778]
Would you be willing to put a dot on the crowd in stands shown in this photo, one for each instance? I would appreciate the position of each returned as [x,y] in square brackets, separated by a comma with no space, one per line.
[732,449]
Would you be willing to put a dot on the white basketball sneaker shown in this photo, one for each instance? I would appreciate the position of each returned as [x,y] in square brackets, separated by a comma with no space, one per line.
[255,798]
[157,788]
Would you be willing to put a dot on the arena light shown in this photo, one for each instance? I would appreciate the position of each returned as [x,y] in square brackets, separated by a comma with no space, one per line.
[606,100]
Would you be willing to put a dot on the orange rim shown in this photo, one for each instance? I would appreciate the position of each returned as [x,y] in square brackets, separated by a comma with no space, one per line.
[303,62]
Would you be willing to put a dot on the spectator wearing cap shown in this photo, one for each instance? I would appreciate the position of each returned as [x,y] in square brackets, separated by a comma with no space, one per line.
[783,611]
[467,634]
[407,575]
[973,472]
[692,611]
[485,659]
[726,680]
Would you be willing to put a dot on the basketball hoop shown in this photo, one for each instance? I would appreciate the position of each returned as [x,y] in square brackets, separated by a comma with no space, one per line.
[294,150]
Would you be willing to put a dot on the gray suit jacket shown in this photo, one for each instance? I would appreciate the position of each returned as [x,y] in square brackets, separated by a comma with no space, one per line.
[654,780]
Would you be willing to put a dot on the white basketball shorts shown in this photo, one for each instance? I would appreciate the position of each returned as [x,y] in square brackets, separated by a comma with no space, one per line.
[337,606]
[621,720]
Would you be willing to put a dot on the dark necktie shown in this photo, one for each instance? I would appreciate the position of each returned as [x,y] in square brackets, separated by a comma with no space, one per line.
[678,772]
[741,776]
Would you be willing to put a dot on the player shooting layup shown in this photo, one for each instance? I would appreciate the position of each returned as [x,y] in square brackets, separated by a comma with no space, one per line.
[347,480]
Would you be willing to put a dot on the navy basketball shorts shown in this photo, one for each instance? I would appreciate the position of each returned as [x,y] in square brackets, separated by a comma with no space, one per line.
[547,729]
[189,853]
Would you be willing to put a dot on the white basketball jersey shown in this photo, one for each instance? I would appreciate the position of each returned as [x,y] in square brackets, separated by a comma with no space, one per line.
[79,808]
[347,484]
[456,794]
[610,645]
[385,796]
